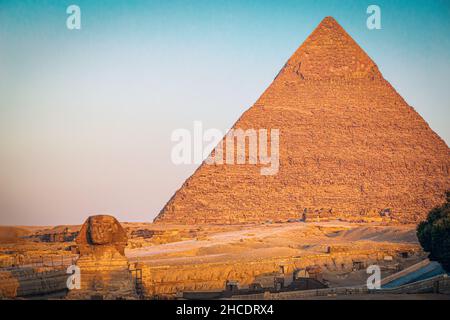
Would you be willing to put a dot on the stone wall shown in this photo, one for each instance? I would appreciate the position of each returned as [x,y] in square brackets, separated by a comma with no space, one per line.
[173,279]
[30,282]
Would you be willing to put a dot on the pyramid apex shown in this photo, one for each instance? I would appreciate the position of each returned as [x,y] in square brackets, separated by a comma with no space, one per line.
[331,23]
[330,52]
[329,19]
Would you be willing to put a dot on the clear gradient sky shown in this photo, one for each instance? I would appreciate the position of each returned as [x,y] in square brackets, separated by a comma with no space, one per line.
[86,115]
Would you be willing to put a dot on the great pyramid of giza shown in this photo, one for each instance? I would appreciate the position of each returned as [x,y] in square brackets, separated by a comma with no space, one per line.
[350,148]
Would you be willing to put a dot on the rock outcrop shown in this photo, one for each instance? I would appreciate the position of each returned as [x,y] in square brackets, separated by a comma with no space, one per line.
[350,148]
[57,234]
[103,265]
[33,283]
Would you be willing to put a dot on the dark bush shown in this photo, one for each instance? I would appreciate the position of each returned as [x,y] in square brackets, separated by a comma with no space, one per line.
[434,234]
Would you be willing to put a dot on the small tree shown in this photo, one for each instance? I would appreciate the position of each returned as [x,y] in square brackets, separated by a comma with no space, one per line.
[434,234]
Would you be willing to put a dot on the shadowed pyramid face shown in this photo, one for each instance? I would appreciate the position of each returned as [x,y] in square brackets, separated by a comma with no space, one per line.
[350,148]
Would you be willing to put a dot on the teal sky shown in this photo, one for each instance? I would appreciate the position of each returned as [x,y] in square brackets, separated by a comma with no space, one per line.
[86,115]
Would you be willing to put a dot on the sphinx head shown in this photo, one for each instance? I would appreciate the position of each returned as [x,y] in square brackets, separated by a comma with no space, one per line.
[102,230]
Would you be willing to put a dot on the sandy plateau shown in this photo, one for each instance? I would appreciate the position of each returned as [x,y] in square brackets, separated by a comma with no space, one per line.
[176,259]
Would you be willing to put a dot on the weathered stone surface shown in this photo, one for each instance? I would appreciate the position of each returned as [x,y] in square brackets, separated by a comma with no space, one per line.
[101,232]
[32,282]
[169,280]
[55,235]
[103,265]
[350,148]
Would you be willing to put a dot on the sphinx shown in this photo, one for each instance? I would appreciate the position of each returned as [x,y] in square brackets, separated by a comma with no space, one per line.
[104,269]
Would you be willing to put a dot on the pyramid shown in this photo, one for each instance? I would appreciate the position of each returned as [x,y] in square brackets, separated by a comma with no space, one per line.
[350,148]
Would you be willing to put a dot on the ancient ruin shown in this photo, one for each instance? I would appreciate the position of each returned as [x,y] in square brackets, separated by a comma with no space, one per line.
[358,168]
[234,261]
[350,148]
[102,262]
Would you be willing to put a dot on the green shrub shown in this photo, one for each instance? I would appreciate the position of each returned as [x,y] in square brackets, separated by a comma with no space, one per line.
[434,234]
